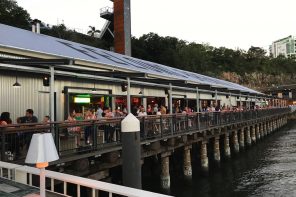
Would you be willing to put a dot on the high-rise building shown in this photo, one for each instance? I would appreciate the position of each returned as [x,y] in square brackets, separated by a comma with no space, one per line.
[285,46]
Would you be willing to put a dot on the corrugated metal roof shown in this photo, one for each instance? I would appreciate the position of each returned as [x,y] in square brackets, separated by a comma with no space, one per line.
[15,38]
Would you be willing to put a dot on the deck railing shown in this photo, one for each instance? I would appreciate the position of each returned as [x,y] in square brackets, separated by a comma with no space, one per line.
[61,183]
[92,135]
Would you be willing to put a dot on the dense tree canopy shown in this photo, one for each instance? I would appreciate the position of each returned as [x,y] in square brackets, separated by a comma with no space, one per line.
[12,14]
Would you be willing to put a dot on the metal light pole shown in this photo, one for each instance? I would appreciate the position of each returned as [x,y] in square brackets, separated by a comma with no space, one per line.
[171,98]
[128,96]
[52,86]
[197,100]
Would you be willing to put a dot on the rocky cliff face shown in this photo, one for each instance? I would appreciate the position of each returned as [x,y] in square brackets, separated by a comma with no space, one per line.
[259,81]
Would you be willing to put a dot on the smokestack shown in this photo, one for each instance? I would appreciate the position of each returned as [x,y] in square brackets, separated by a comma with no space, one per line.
[122,27]
[38,28]
[33,28]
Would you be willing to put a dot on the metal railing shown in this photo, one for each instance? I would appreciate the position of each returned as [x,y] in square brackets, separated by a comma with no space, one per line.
[87,136]
[82,186]
[106,10]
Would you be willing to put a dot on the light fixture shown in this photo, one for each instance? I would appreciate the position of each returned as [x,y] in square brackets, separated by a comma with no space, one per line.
[94,89]
[16,84]
[46,81]
[42,150]
[123,87]
[140,92]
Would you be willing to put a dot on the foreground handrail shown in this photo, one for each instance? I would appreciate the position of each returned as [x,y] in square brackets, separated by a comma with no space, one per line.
[94,185]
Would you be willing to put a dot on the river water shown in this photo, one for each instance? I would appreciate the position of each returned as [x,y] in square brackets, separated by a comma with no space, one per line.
[268,168]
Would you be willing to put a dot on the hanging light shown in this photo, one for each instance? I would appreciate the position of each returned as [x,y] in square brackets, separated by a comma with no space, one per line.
[94,89]
[16,84]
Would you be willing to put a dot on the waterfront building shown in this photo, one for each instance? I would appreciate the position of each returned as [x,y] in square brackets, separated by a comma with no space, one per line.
[87,77]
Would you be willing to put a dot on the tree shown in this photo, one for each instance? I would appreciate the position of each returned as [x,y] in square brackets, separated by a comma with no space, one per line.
[93,31]
[14,15]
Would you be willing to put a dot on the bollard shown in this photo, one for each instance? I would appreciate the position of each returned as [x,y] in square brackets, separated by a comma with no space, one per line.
[204,156]
[165,173]
[131,152]
[226,146]
[187,163]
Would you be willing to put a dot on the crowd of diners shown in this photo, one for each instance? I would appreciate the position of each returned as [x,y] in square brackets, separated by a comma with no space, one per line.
[103,114]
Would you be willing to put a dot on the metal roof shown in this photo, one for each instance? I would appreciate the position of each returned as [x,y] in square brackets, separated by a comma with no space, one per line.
[19,39]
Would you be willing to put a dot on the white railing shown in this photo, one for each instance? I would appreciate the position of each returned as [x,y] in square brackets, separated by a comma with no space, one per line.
[20,173]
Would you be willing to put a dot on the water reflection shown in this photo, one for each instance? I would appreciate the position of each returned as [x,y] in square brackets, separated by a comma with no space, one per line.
[266,169]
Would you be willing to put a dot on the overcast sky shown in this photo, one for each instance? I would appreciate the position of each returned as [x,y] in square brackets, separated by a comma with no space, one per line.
[229,23]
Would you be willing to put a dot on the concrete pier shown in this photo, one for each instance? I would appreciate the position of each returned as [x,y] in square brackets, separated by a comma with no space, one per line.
[261,130]
[235,142]
[248,136]
[204,156]
[253,134]
[226,146]
[217,150]
[242,138]
[165,173]
[268,128]
[265,128]
[187,167]
[258,135]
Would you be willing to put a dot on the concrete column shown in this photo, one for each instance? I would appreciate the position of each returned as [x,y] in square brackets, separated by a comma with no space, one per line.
[242,138]
[144,99]
[248,136]
[187,163]
[165,173]
[261,130]
[265,128]
[268,127]
[226,146]
[217,149]
[253,134]
[204,156]
[258,136]
[235,142]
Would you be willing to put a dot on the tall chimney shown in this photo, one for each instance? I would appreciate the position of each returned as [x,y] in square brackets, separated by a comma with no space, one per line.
[33,28]
[122,27]
[38,27]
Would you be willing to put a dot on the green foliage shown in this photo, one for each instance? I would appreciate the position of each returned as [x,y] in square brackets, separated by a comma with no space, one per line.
[12,14]
[205,59]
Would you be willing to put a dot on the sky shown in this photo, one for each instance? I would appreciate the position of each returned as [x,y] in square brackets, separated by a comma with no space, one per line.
[220,23]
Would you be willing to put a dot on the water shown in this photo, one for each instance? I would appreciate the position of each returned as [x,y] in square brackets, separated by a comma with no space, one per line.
[265,169]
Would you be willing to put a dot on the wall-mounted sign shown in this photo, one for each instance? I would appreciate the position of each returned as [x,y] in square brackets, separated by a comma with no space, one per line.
[81,100]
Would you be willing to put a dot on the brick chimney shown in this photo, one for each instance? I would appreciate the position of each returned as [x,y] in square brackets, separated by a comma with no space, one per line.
[122,27]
